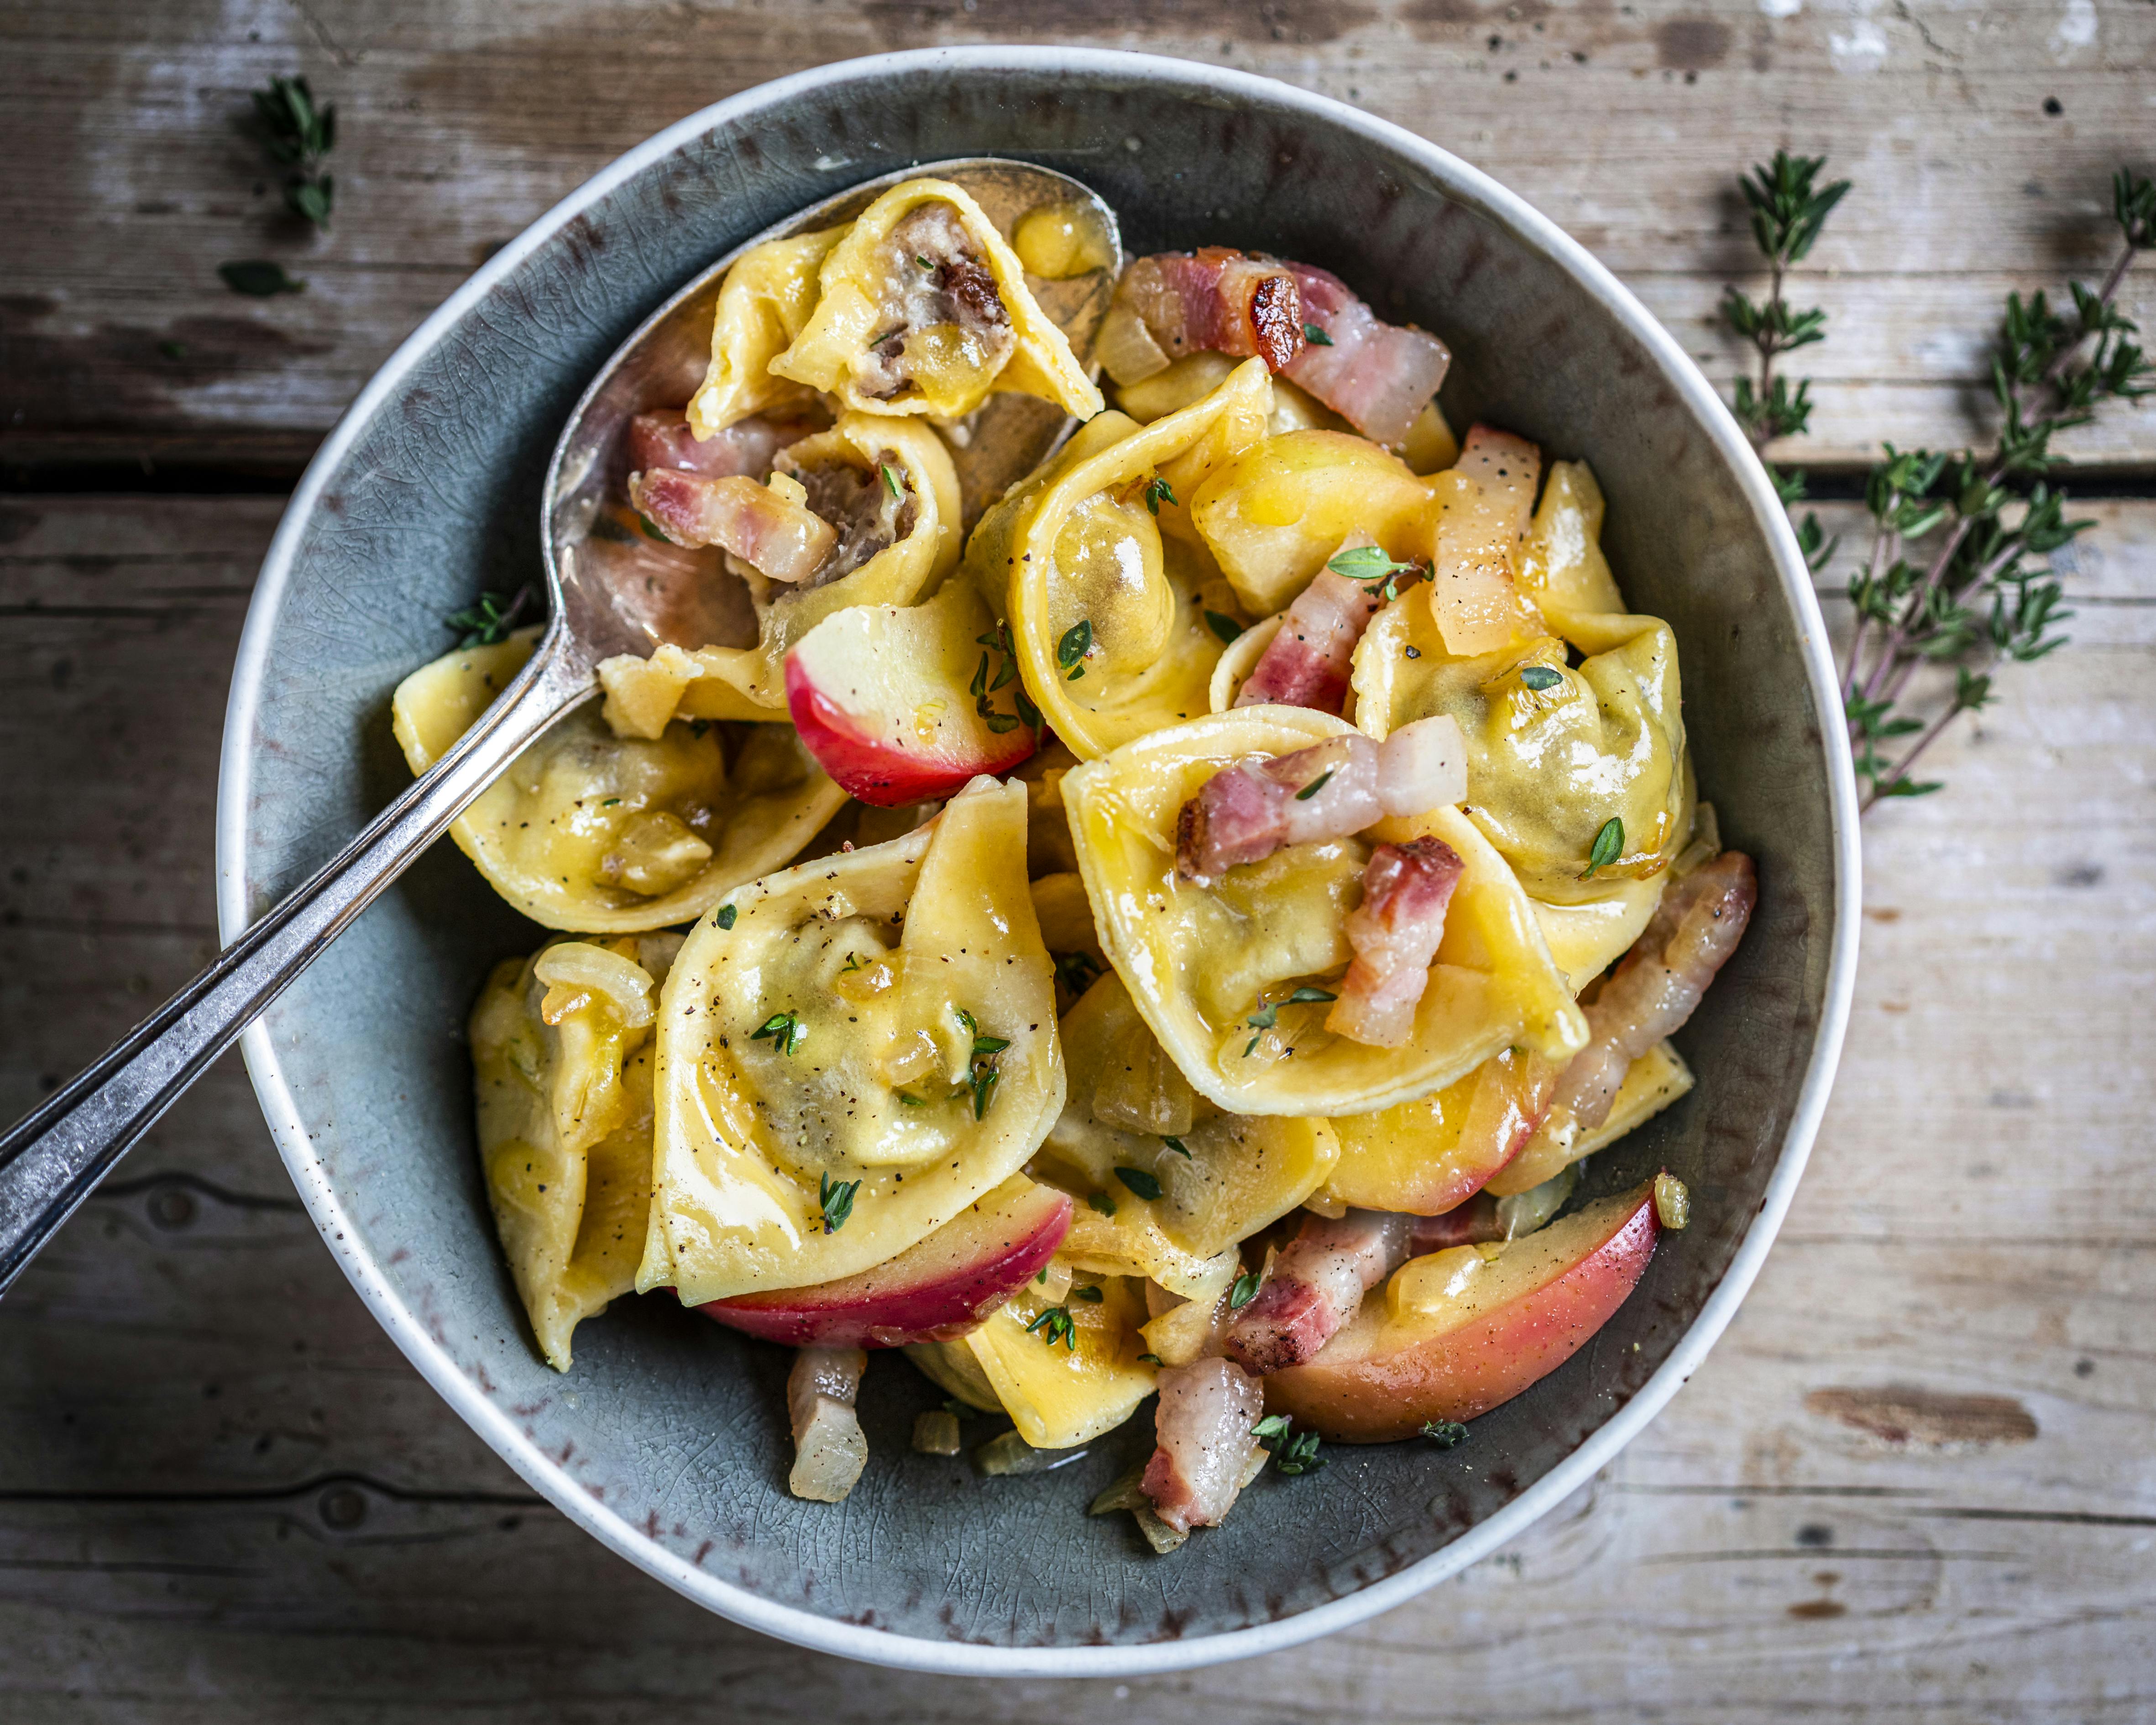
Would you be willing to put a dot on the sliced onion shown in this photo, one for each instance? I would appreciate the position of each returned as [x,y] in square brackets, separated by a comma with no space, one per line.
[1010,1454]
[1525,1212]
[1125,347]
[578,965]
[1423,765]
[830,1447]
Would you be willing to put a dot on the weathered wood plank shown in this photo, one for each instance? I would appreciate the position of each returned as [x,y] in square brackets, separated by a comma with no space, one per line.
[463,122]
[223,1495]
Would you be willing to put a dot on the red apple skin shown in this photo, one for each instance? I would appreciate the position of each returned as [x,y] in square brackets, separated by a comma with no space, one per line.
[935,1290]
[875,771]
[1353,1393]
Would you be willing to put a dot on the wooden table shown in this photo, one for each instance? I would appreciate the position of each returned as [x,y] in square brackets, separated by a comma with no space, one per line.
[1915,1480]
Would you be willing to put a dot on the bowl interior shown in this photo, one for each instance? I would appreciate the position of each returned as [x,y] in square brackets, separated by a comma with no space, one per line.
[669,1438]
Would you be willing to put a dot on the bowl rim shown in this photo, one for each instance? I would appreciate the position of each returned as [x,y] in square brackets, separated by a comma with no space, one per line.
[806,1628]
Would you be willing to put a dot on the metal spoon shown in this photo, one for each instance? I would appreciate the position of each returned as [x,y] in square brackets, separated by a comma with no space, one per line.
[52,1160]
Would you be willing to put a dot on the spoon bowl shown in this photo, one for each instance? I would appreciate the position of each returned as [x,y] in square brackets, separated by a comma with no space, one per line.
[610,605]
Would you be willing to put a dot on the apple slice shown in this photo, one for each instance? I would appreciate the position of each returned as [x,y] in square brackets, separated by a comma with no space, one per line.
[890,700]
[1448,1342]
[937,1288]
[1433,1154]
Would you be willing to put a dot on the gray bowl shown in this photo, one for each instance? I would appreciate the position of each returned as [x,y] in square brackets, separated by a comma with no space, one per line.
[669,1440]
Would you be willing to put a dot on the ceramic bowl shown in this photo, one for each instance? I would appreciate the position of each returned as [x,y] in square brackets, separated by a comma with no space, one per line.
[669,1440]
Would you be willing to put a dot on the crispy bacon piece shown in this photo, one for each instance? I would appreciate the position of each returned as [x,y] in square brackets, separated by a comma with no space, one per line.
[1395,932]
[1307,663]
[1376,376]
[1694,929]
[1246,812]
[1206,1453]
[1316,1287]
[1474,1223]
[1216,299]
[780,540]
[744,448]
[1318,1282]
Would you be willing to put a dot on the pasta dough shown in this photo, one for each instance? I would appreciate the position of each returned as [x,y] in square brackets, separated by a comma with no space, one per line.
[923,308]
[1107,588]
[562,1070]
[1133,1126]
[764,303]
[1202,964]
[838,1028]
[1548,766]
[591,832]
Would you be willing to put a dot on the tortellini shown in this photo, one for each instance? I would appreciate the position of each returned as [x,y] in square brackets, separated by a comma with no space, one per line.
[1214,970]
[764,303]
[598,834]
[1171,1183]
[881,1021]
[1555,752]
[1272,516]
[889,488]
[563,1067]
[923,308]
[1058,1393]
[1107,589]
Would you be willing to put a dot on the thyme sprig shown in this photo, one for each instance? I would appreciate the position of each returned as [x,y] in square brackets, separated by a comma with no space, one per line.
[1959,576]
[1293,1452]
[298,132]
[984,687]
[488,623]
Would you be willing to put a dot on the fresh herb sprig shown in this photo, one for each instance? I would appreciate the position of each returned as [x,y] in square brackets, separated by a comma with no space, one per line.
[835,1198]
[1959,577]
[985,686]
[1055,1325]
[1373,567]
[298,132]
[488,623]
[1076,971]
[1293,1452]
[1788,208]
[784,1030]
[982,1076]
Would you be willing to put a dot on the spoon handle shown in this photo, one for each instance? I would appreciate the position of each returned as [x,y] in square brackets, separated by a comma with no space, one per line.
[52,1160]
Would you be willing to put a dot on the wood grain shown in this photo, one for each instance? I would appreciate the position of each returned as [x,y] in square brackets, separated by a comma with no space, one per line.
[1981,140]
[1911,1483]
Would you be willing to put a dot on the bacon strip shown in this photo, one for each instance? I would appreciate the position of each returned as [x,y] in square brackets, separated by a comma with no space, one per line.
[1205,1452]
[1216,299]
[1395,932]
[1376,376]
[1316,1287]
[1246,812]
[780,540]
[1308,662]
[744,448]
[1318,1282]
[1474,1223]
[1696,928]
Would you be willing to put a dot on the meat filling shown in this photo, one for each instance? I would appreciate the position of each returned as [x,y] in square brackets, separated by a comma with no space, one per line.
[939,309]
[868,511]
